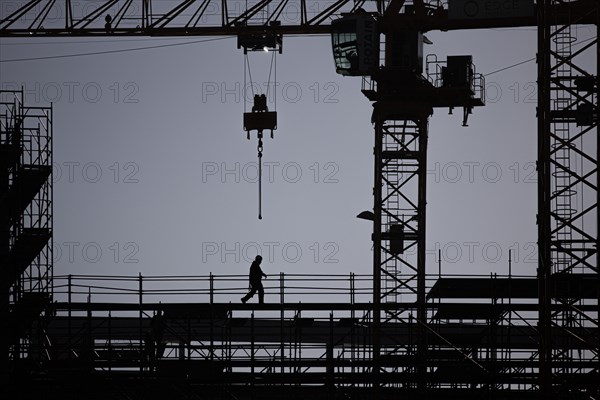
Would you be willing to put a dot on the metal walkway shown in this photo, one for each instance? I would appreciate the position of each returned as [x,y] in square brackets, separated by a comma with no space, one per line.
[481,335]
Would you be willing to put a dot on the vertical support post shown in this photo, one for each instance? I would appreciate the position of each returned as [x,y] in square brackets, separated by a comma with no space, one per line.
[252,360]
[5,236]
[597,244]
[509,264]
[110,359]
[212,287]
[229,339]
[329,358]
[352,289]
[298,342]
[144,13]
[212,332]
[543,216]
[89,340]
[377,248]
[51,197]
[281,288]
[69,314]
[68,14]
[281,339]
[421,255]
[141,315]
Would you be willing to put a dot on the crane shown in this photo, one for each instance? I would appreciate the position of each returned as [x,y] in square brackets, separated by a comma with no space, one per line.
[405,89]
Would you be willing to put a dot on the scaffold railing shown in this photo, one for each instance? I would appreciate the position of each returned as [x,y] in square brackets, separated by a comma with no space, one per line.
[212,288]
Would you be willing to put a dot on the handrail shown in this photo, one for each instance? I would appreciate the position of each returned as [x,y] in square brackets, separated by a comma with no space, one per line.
[352,288]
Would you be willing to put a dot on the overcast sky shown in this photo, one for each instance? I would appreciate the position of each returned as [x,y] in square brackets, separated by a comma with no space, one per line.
[142,141]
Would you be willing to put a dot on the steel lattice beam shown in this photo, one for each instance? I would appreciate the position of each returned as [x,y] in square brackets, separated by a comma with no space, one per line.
[66,18]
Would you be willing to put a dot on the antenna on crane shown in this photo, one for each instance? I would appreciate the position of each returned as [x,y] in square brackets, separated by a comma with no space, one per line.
[260,118]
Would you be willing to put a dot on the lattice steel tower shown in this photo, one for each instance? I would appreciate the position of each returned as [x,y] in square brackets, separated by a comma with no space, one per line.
[568,201]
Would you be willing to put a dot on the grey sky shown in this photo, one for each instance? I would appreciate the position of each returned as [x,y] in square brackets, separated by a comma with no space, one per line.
[158,125]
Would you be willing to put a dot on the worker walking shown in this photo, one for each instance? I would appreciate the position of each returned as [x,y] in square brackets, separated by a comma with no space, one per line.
[256,275]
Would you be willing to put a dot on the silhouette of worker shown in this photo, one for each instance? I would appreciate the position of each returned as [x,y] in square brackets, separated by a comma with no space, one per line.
[256,275]
[157,325]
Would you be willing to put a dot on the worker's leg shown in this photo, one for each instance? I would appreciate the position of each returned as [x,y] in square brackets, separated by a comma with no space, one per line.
[250,294]
[261,293]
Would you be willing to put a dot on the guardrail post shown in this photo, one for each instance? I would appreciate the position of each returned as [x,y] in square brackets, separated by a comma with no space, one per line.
[252,363]
[281,287]
[69,314]
[329,358]
[89,341]
[212,287]
[110,359]
[352,287]
[141,340]
[140,290]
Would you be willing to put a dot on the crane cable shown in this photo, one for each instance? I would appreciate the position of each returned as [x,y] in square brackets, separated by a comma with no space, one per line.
[259,147]
[273,61]
[260,134]
[247,68]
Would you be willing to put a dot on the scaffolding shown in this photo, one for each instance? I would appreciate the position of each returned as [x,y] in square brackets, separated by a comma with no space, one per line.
[481,337]
[26,222]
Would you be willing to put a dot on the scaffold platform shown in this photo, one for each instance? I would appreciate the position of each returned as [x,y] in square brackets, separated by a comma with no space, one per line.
[481,339]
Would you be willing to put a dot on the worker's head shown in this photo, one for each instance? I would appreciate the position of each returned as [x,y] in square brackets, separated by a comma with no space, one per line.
[258,259]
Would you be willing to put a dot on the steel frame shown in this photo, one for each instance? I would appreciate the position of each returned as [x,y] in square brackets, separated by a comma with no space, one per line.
[480,343]
[231,17]
[568,201]
[26,140]
[399,226]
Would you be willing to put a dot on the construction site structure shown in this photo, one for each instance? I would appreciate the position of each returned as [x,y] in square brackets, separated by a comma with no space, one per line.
[26,228]
[414,335]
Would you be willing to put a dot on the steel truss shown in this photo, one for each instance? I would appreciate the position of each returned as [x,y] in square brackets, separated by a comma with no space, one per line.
[228,17]
[399,226]
[193,17]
